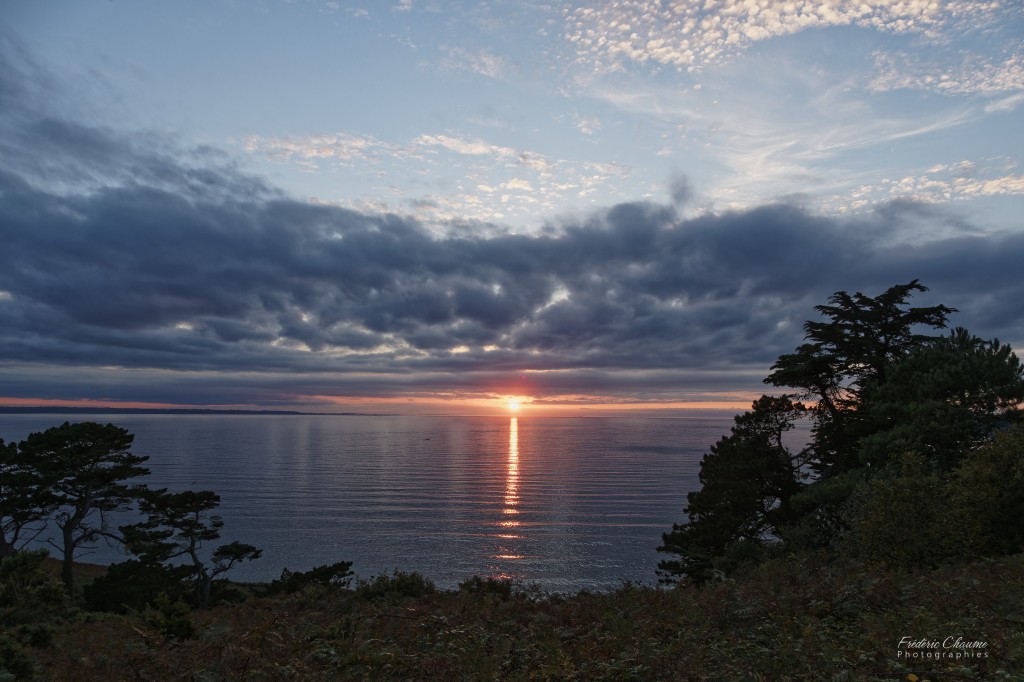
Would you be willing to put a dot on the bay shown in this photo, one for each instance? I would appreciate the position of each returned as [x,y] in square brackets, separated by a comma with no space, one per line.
[563,503]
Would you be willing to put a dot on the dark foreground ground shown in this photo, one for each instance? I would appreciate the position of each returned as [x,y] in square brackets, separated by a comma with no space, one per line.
[792,619]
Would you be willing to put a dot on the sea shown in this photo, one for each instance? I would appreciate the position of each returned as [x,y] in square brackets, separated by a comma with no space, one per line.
[565,504]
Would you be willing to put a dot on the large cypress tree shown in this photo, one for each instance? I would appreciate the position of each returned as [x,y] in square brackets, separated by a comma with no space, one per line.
[847,354]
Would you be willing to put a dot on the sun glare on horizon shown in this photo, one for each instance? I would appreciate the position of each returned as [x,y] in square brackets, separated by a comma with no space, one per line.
[513,405]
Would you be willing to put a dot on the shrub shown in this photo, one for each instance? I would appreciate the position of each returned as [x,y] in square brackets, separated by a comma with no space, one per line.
[917,515]
[397,585]
[172,618]
[131,586]
[31,602]
[899,517]
[986,498]
[487,586]
[335,576]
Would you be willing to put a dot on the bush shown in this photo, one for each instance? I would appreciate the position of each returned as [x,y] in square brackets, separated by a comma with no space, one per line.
[502,589]
[172,618]
[15,662]
[986,498]
[131,586]
[399,584]
[31,603]
[334,576]
[917,515]
[222,592]
[899,517]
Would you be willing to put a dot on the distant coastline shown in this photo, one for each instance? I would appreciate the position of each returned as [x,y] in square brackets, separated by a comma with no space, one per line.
[173,410]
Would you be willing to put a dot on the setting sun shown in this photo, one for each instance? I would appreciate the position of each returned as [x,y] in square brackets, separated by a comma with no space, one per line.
[513,404]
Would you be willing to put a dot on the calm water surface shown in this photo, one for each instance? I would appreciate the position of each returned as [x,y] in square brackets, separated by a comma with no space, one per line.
[564,503]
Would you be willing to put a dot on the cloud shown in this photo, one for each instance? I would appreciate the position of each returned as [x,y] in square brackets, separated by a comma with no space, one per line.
[588,125]
[680,189]
[162,277]
[461,145]
[479,61]
[1005,104]
[829,149]
[690,35]
[814,150]
[971,74]
[349,148]
[344,147]
[941,183]
[135,268]
[517,184]
[464,170]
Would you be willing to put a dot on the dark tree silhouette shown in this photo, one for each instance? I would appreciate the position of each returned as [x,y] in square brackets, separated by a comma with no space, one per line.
[25,499]
[942,400]
[179,525]
[86,468]
[884,395]
[862,338]
[748,481]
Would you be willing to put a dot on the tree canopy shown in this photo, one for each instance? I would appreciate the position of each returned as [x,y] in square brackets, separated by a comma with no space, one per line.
[851,351]
[181,525]
[83,470]
[748,481]
[879,391]
[942,399]
[25,500]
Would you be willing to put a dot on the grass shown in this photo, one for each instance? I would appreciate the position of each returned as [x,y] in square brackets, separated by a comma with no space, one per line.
[799,618]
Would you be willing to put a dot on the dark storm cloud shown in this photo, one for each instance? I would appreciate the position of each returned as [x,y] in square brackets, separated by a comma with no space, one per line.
[206,285]
[137,276]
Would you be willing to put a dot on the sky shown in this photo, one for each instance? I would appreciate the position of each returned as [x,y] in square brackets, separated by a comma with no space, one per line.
[418,206]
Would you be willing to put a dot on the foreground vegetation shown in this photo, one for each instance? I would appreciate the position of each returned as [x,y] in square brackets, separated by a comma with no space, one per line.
[796,618]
